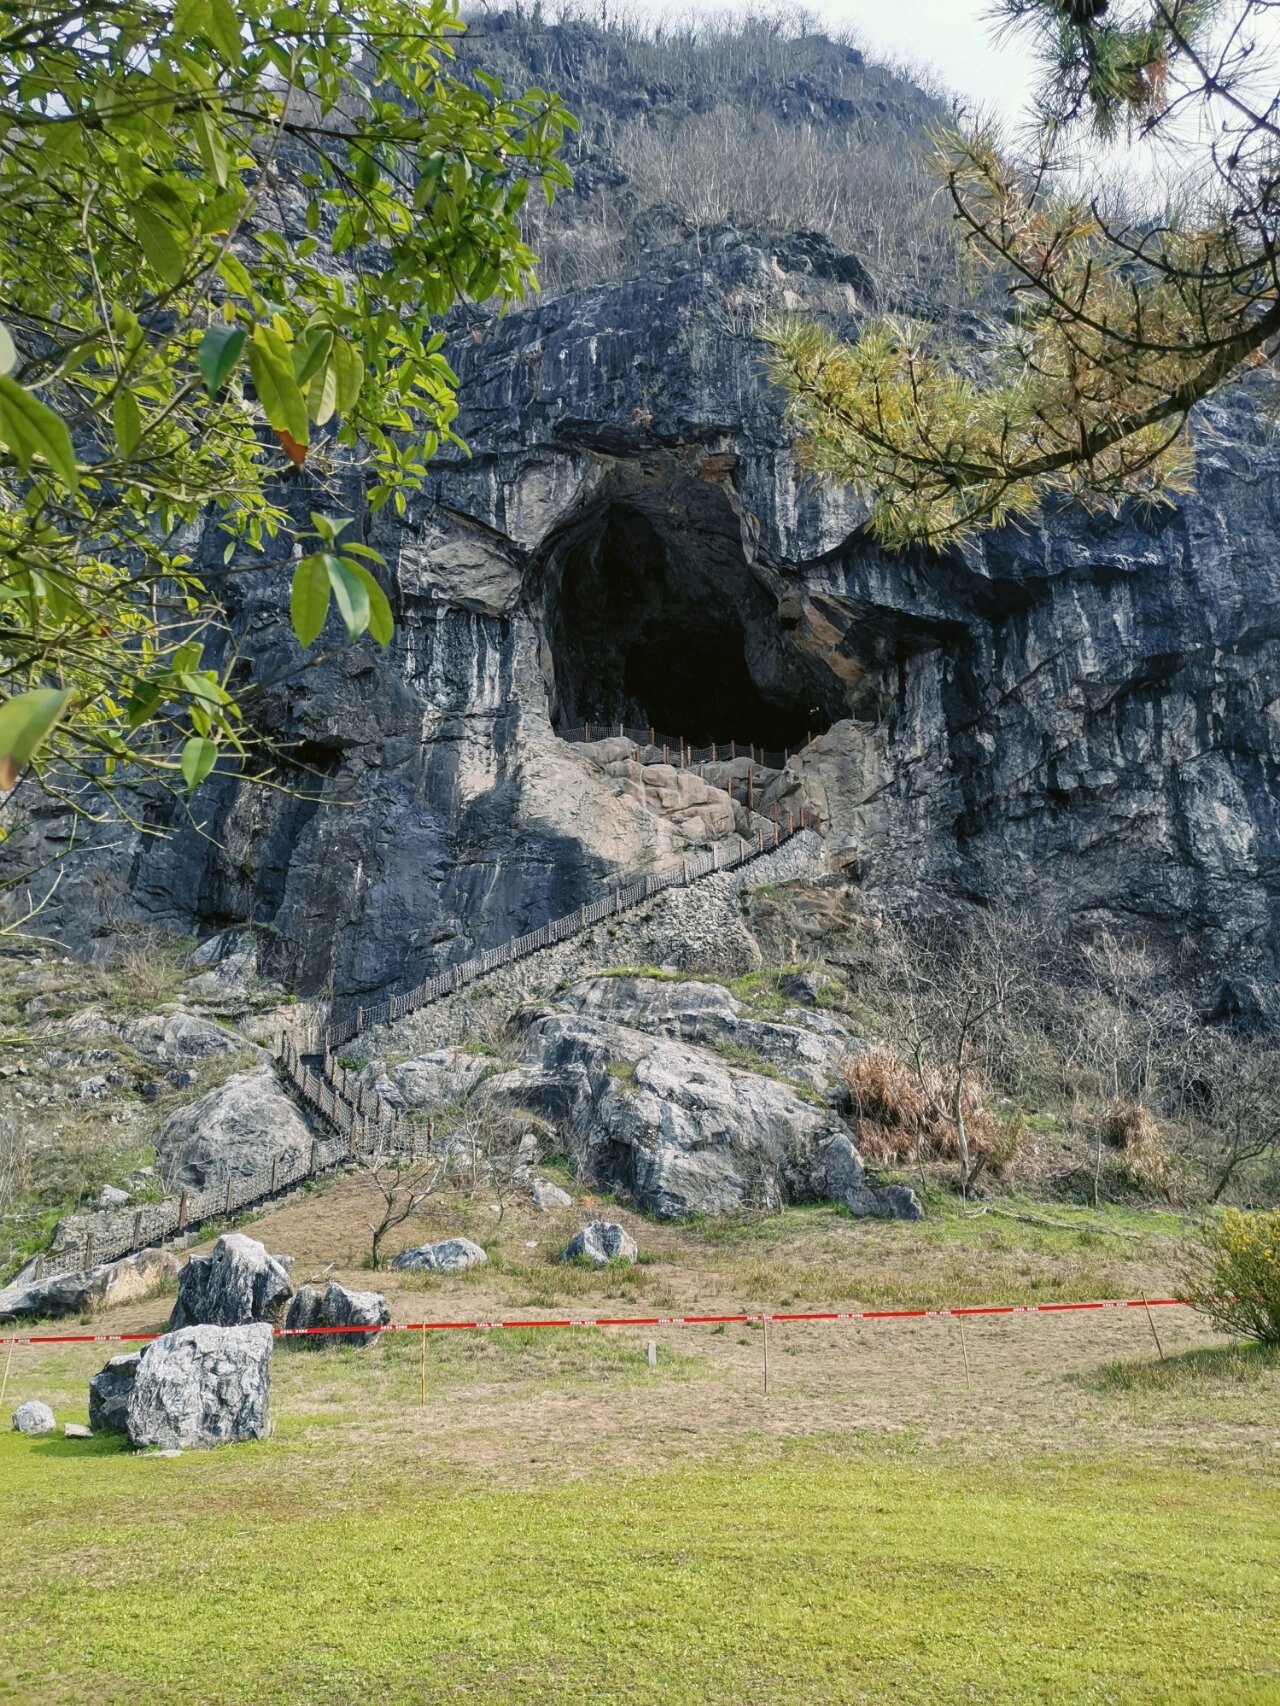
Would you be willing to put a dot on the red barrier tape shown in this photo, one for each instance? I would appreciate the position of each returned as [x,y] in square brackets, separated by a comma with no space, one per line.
[642,1321]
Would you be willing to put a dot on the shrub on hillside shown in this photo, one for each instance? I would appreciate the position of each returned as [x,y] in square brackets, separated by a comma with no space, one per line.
[1234,1276]
[904,1115]
[1144,1158]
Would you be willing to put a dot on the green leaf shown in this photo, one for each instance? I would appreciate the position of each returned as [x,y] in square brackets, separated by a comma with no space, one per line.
[350,595]
[220,349]
[382,623]
[309,599]
[198,758]
[159,244]
[271,364]
[127,422]
[26,722]
[348,370]
[31,429]
[224,30]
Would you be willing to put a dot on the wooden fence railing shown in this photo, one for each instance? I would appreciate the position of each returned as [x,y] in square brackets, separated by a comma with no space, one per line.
[361,1120]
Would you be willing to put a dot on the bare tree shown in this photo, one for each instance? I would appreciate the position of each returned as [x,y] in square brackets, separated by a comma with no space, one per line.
[1234,1100]
[958,991]
[403,1183]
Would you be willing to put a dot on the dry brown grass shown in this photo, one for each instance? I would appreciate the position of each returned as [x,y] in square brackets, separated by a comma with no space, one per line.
[1144,1157]
[902,1115]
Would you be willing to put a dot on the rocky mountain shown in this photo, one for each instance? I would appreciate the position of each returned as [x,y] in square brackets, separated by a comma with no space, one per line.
[1087,709]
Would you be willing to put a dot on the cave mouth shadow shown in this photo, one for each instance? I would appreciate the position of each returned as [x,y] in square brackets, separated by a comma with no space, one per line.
[653,618]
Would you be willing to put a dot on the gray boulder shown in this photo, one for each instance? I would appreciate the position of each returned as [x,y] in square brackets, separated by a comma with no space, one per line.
[33,1417]
[76,1430]
[239,1129]
[888,1202]
[183,1039]
[601,1242]
[111,1196]
[202,1386]
[432,1080]
[125,1281]
[547,1196]
[335,1306]
[451,1256]
[237,1282]
[803,986]
[109,1393]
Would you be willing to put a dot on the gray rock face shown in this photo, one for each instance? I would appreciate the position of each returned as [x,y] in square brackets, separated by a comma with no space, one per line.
[183,1039]
[125,1281]
[600,1242]
[335,1306]
[1089,702]
[202,1386]
[237,1282]
[452,1256]
[434,1080]
[109,1394]
[807,1048]
[33,1417]
[239,1128]
[675,1127]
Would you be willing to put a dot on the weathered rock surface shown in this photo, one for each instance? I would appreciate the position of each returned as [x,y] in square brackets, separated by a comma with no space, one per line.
[125,1281]
[335,1306]
[33,1417]
[237,1282]
[76,1430]
[202,1386]
[240,1128]
[601,1242]
[806,1048]
[433,1080]
[451,1256]
[109,1393]
[1089,702]
[547,1196]
[183,1039]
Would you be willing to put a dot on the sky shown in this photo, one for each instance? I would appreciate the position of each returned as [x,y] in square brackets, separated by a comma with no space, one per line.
[954,37]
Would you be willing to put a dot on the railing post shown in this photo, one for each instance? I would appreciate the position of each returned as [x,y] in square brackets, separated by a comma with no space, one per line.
[227,1206]
[312,1167]
[275,1173]
[137,1227]
[182,1212]
[88,1251]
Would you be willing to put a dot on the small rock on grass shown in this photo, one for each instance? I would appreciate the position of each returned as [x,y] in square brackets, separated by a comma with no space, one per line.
[76,1430]
[601,1242]
[33,1417]
[547,1196]
[451,1256]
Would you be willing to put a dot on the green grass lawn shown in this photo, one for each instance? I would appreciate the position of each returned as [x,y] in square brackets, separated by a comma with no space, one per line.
[836,1571]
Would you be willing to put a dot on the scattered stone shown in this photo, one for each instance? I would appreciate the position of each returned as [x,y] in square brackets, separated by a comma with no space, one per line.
[33,1417]
[109,1393]
[111,1196]
[125,1281]
[202,1386]
[547,1196]
[601,1242]
[76,1430]
[452,1256]
[889,1202]
[335,1306]
[236,1283]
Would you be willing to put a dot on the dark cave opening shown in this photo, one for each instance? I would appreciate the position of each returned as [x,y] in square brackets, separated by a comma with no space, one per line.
[654,617]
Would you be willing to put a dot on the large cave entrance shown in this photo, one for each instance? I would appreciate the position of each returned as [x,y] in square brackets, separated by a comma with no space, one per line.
[654,617]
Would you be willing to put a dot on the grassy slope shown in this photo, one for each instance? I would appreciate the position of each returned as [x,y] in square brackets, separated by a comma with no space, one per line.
[561,1519]
[832,1571]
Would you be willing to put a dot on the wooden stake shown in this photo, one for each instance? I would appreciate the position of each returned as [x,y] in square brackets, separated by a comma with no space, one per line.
[422,1368]
[964,1351]
[5,1381]
[766,1358]
[1152,1324]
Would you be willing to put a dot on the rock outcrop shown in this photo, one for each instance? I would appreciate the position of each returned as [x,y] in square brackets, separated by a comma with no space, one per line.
[202,1386]
[333,1307]
[125,1281]
[240,1128]
[236,1283]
